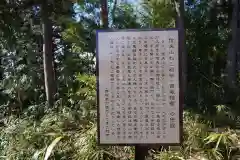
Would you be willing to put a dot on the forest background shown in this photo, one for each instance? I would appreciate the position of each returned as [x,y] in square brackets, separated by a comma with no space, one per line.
[48,83]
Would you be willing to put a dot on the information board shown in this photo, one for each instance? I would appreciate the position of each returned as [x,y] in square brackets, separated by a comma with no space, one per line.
[138,87]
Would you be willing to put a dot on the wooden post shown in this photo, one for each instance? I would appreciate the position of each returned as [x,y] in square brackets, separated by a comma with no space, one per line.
[141,152]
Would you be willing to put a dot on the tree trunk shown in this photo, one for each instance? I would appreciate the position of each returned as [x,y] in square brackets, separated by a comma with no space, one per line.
[233,47]
[47,53]
[237,43]
[182,45]
[104,13]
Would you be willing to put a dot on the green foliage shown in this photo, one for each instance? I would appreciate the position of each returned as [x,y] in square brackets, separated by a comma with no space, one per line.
[223,142]
[50,148]
[23,138]
[28,129]
[194,132]
[207,41]
[157,14]
[168,155]
[199,143]
[88,148]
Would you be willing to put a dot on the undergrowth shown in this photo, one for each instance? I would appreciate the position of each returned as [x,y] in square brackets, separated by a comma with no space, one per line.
[68,131]
[25,138]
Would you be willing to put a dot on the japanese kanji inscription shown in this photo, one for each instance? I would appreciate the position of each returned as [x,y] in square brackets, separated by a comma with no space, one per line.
[138,87]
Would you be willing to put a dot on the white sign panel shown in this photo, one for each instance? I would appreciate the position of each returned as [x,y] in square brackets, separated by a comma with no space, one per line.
[138,87]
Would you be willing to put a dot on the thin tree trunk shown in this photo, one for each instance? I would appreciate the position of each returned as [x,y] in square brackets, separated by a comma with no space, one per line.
[47,53]
[237,36]
[182,45]
[104,13]
[233,47]
[113,12]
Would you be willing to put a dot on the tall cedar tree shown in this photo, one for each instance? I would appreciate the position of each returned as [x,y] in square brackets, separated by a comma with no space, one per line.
[48,52]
